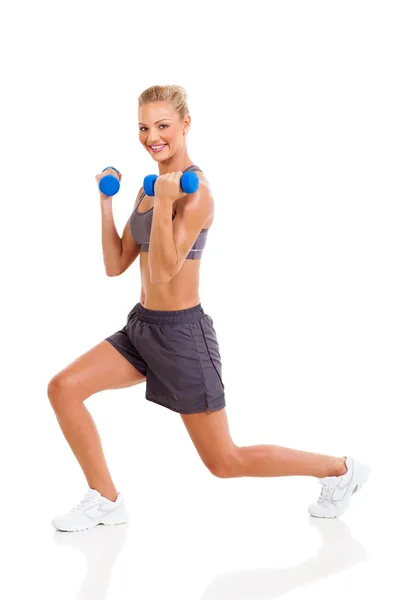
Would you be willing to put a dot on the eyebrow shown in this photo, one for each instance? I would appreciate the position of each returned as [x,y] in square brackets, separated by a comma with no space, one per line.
[166,119]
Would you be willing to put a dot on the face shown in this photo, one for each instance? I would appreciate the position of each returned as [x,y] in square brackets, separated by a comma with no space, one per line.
[161,130]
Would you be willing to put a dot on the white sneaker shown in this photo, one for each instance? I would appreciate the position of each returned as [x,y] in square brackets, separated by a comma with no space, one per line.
[91,511]
[337,491]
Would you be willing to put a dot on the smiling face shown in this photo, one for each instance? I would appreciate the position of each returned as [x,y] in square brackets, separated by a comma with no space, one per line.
[161,129]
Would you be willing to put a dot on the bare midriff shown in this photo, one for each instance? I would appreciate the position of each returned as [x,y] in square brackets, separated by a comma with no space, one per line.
[180,293]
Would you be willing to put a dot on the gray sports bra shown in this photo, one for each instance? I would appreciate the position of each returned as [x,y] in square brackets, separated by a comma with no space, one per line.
[140,226]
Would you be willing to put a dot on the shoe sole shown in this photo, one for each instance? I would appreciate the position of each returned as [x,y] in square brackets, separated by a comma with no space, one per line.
[110,519]
[90,526]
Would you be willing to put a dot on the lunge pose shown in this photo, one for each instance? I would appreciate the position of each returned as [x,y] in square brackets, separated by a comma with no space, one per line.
[168,341]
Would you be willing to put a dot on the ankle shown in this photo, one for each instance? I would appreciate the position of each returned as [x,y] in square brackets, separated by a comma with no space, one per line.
[336,467]
[112,497]
[107,492]
[341,466]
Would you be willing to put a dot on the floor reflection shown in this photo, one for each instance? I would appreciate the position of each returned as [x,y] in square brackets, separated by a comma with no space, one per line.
[339,551]
[100,546]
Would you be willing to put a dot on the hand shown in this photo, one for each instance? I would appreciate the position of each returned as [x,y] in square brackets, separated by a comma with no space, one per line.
[100,176]
[168,187]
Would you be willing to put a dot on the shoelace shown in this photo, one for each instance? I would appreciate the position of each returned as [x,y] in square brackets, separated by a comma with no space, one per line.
[82,503]
[325,493]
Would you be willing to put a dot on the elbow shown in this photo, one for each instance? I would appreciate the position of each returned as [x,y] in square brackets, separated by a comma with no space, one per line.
[113,272]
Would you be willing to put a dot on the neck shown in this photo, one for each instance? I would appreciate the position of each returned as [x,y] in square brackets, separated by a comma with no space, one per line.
[179,162]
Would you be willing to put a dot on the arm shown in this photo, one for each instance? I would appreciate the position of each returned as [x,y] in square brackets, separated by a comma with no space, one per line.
[171,240]
[118,253]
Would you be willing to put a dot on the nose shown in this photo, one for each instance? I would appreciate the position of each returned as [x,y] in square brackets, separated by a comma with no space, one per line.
[153,137]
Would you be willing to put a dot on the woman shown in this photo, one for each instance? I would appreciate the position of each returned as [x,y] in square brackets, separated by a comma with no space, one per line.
[168,341]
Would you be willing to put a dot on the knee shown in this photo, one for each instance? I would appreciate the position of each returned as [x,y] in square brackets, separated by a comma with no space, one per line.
[59,388]
[224,467]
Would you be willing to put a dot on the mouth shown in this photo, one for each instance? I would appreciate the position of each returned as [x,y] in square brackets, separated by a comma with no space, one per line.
[158,148]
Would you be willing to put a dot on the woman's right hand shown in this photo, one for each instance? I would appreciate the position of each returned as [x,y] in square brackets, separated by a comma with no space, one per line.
[100,176]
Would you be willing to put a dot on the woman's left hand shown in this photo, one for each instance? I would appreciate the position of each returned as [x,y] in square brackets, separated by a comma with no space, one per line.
[168,187]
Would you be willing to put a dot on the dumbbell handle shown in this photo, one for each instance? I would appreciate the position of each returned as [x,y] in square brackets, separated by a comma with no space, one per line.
[189,183]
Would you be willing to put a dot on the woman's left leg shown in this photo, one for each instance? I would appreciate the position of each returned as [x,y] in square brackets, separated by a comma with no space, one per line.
[210,434]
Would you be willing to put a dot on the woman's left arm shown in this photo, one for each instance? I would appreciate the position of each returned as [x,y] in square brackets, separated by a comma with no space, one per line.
[172,239]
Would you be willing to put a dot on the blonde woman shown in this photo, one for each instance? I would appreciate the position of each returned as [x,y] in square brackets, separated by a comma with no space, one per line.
[168,341]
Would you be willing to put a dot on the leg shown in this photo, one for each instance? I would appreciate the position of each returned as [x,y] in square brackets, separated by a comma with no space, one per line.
[209,432]
[101,368]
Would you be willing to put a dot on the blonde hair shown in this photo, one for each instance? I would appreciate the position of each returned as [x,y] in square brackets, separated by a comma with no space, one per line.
[173,93]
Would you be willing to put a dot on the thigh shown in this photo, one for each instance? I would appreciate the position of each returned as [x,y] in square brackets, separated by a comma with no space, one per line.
[209,432]
[100,368]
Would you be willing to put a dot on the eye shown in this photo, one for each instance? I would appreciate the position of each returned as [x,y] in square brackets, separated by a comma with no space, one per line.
[145,128]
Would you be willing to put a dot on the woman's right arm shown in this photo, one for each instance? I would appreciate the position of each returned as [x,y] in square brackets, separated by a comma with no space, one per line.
[118,253]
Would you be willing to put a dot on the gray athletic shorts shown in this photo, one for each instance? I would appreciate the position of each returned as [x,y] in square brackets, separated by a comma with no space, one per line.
[178,353]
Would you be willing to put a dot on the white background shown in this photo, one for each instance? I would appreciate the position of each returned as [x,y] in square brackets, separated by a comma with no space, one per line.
[295,122]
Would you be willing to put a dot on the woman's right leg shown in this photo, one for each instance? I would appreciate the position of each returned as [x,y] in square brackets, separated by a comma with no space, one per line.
[101,368]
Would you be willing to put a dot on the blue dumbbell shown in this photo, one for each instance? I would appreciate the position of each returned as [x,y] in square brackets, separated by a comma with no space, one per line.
[189,183]
[109,184]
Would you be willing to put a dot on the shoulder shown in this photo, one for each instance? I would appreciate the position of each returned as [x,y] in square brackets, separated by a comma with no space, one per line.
[204,181]
[200,202]
[206,198]
[202,177]
[203,194]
